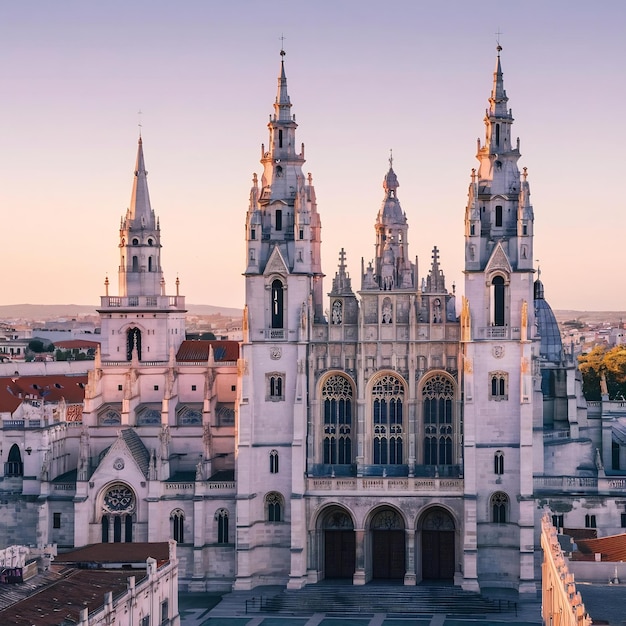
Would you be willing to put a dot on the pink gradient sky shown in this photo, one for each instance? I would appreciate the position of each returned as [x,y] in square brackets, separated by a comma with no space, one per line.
[363,77]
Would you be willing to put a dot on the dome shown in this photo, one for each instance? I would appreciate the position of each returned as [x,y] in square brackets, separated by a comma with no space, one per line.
[551,346]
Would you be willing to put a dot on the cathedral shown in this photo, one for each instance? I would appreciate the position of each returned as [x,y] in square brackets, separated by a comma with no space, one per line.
[390,433]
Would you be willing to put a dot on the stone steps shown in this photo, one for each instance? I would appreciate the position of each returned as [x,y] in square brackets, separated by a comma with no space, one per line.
[375,598]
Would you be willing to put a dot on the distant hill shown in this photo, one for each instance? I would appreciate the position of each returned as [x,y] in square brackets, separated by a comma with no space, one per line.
[46,311]
[590,317]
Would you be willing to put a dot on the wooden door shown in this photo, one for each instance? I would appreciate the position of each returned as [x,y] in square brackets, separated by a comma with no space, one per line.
[388,554]
[339,553]
[437,555]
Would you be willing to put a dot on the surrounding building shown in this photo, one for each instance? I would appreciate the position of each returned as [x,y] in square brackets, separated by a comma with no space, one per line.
[402,435]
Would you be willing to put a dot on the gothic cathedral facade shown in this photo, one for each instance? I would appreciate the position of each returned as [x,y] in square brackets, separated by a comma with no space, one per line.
[391,433]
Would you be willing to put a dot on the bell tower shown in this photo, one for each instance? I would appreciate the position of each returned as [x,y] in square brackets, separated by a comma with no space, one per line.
[283,279]
[141,322]
[499,344]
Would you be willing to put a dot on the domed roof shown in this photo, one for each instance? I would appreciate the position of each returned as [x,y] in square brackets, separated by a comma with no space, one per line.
[551,346]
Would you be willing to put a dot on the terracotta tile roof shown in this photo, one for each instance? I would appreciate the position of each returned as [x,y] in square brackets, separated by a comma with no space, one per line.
[199,350]
[83,344]
[116,553]
[611,548]
[14,389]
[62,601]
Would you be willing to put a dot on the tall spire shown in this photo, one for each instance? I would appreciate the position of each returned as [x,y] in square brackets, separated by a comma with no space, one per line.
[140,239]
[498,99]
[140,208]
[282,105]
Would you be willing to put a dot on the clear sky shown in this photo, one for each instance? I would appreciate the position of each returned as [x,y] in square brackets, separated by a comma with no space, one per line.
[364,77]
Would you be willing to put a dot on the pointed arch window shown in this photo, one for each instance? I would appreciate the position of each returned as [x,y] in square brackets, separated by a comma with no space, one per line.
[275,387]
[279,215]
[280,138]
[438,406]
[337,402]
[177,517]
[277,304]
[274,507]
[135,263]
[497,135]
[221,516]
[14,465]
[498,463]
[498,290]
[499,383]
[499,508]
[387,417]
[274,462]
[133,341]
[150,264]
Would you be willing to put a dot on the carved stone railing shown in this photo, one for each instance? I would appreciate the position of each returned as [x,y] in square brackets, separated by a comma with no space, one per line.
[142,302]
[565,484]
[396,485]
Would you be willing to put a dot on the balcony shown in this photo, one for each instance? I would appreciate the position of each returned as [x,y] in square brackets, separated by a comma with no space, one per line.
[499,332]
[369,485]
[143,302]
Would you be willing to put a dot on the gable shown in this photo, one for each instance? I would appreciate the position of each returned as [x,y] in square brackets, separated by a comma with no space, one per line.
[499,260]
[276,264]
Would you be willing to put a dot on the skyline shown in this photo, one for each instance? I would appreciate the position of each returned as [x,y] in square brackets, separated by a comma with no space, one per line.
[76,76]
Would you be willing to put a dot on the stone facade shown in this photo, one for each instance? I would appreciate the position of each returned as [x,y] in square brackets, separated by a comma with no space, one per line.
[392,433]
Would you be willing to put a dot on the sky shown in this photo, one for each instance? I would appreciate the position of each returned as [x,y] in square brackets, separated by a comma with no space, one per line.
[364,78]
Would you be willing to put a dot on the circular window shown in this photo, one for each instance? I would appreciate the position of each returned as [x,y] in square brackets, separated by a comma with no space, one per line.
[119,499]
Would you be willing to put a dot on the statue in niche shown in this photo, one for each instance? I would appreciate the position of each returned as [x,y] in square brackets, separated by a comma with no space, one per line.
[387,311]
[437,311]
[337,313]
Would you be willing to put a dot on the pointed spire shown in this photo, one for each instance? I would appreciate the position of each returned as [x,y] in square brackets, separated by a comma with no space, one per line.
[282,105]
[498,99]
[140,208]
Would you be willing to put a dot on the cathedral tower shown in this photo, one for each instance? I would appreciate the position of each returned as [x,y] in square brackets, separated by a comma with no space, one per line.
[283,296]
[498,347]
[142,319]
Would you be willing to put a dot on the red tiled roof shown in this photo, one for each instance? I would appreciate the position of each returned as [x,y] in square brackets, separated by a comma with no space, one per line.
[199,350]
[611,548]
[76,343]
[62,601]
[15,389]
[116,553]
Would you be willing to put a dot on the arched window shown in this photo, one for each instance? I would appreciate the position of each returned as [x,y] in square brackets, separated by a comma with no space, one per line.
[499,508]
[277,304]
[275,386]
[438,405]
[135,241]
[135,263]
[590,521]
[118,506]
[279,217]
[274,507]
[497,301]
[14,465]
[177,516]
[499,383]
[498,463]
[150,264]
[337,401]
[221,517]
[273,462]
[133,340]
[387,413]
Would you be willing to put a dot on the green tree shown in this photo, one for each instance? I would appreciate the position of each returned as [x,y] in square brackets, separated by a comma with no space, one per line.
[610,363]
[36,345]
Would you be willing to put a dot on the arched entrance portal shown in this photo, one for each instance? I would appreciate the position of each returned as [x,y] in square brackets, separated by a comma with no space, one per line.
[388,559]
[339,545]
[438,545]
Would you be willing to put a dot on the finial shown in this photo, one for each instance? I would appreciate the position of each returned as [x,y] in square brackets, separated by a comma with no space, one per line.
[139,122]
[255,180]
[525,174]
[342,258]
[499,47]
[282,46]
[177,285]
[538,269]
[106,285]
[390,158]
[473,174]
